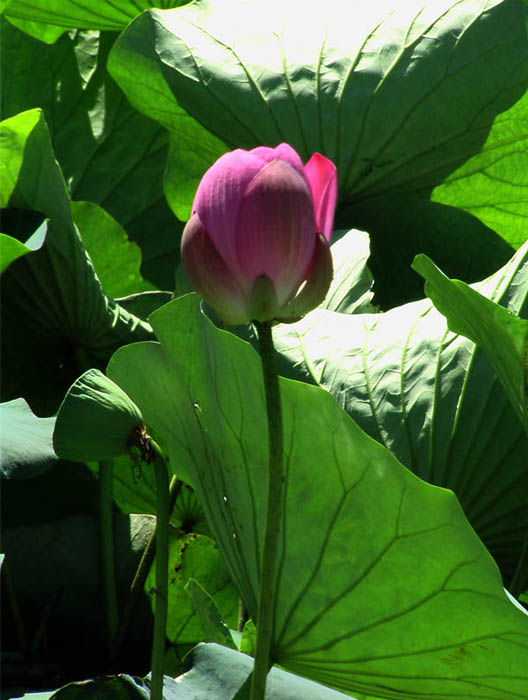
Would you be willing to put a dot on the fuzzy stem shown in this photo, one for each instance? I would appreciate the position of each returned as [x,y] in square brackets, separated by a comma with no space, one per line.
[162,573]
[106,539]
[274,513]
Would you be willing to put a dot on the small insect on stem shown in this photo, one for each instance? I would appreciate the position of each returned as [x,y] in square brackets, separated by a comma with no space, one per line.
[140,448]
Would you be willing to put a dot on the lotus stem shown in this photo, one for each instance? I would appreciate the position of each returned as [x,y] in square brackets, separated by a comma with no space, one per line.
[162,572]
[274,514]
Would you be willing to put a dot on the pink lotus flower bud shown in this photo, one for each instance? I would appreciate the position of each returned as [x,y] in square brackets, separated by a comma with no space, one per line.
[260,227]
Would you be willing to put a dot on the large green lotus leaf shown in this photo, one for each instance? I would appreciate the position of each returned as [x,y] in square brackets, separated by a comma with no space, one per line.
[241,71]
[502,335]
[193,555]
[432,398]
[383,586]
[48,33]
[56,320]
[116,259]
[84,14]
[192,148]
[109,153]
[493,185]
[239,68]
[27,445]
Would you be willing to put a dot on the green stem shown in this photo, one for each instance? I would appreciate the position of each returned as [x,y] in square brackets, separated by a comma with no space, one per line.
[162,573]
[137,586]
[106,538]
[274,512]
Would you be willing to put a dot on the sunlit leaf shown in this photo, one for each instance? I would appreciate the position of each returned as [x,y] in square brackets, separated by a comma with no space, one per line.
[84,14]
[502,335]
[194,556]
[116,259]
[367,589]
[48,33]
[493,185]
[432,398]
[374,91]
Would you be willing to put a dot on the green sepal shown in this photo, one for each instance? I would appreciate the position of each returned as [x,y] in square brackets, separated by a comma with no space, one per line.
[263,302]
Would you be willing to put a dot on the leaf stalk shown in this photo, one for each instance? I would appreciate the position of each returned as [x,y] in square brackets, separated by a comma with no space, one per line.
[274,516]
[162,572]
